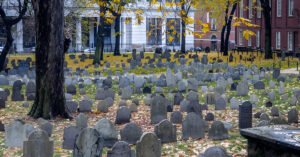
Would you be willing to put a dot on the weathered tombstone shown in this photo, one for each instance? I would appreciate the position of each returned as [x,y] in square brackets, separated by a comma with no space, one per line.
[120,149]
[85,106]
[72,106]
[215,151]
[30,90]
[69,137]
[274,111]
[217,131]
[165,131]
[71,89]
[123,115]
[16,132]
[264,116]
[131,133]
[176,117]
[82,121]
[107,131]
[276,73]
[38,145]
[242,89]
[45,126]
[234,104]
[148,146]
[158,109]
[259,85]
[245,115]
[126,92]
[220,104]
[193,126]
[178,97]
[192,96]
[133,107]
[16,91]
[89,143]
[293,116]
[103,106]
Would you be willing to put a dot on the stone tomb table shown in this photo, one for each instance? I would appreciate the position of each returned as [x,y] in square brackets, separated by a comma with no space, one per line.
[273,141]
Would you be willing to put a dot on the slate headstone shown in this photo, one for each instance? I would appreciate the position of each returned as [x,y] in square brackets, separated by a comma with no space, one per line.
[131,133]
[165,131]
[148,146]
[38,145]
[193,126]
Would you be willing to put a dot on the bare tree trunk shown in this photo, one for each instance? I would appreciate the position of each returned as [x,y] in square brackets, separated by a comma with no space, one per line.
[100,38]
[118,35]
[268,28]
[50,96]
[8,45]
[228,31]
[183,34]
[224,27]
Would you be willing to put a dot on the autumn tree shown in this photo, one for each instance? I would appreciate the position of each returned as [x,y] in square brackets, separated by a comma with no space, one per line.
[50,97]
[266,9]
[9,22]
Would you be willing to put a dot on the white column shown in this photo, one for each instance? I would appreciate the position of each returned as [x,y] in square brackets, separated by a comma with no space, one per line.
[78,35]
[164,33]
[19,38]
[92,34]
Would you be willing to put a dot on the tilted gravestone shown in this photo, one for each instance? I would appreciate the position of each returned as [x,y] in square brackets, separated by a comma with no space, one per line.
[123,115]
[131,133]
[165,131]
[193,126]
[107,131]
[245,115]
[82,121]
[88,143]
[217,131]
[16,132]
[121,149]
[38,145]
[148,146]
[16,91]
[158,109]
[69,137]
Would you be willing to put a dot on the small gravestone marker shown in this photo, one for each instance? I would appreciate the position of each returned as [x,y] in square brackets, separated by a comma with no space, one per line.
[148,146]
[158,109]
[103,106]
[71,89]
[38,145]
[217,131]
[69,137]
[30,90]
[245,115]
[131,133]
[274,111]
[193,126]
[242,89]
[220,104]
[107,131]
[72,106]
[293,116]
[176,117]
[259,85]
[123,115]
[45,125]
[85,106]
[16,91]
[215,151]
[120,149]
[16,132]
[89,143]
[165,131]
[82,121]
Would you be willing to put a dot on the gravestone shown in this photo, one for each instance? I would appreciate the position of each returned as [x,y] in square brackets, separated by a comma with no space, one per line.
[45,126]
[133,107]
[274,111]
[220,104]
[234,104]
[2,128]
[30,90]
[108,132]
[38,145]
[259,85]
[16,91]
[158,109]
[178,97]
[165,131]
[192,96]
[16,132]
[276,73]
[242,89]
[176,117]
[120,149]
[264,116]
[126,93]
[245,115]
[217,131]
[148,146]
[215,151]
[82,121]
[69,137]
[71,89]
[123,115]
[89,143]
[193,126]
[85,105]
[147,90]
[131,133]
[72,106]
[103,106]
[293,116]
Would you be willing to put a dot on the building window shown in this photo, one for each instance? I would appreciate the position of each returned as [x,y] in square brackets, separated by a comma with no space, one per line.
[154,31]
[250,42]
[290,41]
[242,8]
[213,25]
[258,9]
[250,7]
[279,8]
[291,7]
[173,32]
[258,39]
[278,40]
[240,37]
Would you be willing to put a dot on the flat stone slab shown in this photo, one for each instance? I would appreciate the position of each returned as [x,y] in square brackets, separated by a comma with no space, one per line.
[284,138]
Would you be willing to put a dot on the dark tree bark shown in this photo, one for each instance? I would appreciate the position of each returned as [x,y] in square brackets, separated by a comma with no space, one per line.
[224,27]
[100,37]
[183,28]
[118,35]
[9,23]
[265,4]
[228,29]
[50,96]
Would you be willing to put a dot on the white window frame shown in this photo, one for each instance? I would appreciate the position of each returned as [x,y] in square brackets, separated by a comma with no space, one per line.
[242,8]
[258,9]
[250,42]
[250,9]
[258,38]
[278,40]
[290,40]
[279,8]
[240,37]
[290,7]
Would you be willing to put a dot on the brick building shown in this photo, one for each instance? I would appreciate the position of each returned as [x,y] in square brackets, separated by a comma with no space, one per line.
[212,38]
[285,23]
